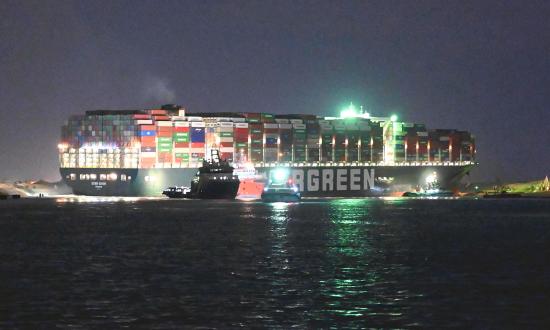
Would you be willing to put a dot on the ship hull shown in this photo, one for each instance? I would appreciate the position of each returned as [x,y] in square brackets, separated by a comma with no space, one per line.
[321,181]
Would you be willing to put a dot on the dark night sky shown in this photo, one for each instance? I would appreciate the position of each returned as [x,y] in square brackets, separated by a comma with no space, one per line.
[482,66]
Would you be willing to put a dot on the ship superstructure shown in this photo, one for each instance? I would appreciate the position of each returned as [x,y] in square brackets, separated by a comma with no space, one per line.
[140,152]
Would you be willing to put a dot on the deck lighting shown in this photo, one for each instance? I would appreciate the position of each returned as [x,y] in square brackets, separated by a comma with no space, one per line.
[280,175]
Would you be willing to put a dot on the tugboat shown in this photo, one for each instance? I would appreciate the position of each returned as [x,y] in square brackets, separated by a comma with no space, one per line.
[430,189]
[214,180]
[280,188]
[176,192]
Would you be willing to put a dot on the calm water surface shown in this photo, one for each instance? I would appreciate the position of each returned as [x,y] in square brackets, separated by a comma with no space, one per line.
[325,262]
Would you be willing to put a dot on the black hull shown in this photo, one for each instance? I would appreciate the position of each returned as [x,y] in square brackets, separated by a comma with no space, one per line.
[327,181]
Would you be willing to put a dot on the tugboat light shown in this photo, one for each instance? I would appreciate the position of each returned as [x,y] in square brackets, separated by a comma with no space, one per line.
[280,175]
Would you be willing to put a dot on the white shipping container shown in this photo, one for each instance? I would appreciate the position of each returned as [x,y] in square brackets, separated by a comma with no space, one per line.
[164,123]
[144,122]
[422,133]
[194,118]
[148,154]
[271,126]
[181,124]
[226,124]
[296,121]
[226,149]
[181,150]
[241,125]
[281,121]
[299,126]
[285,126]
[226,139]
[197,123]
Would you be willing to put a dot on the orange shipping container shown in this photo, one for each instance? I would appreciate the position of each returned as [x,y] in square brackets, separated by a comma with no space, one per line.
[181,144]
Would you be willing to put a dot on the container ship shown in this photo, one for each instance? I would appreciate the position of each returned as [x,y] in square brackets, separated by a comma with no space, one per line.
[141,152]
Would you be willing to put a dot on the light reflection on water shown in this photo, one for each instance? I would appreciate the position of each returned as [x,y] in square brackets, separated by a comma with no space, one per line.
[397,263]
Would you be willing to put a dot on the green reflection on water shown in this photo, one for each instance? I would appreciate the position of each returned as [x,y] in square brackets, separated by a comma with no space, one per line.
[349,252]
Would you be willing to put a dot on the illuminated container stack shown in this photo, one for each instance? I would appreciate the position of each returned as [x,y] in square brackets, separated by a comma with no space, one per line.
[352,140]
[298,140]
[271,146]
[399,141]
[104,139]
[364,142]
[312,140]
[241,142]
[162,139]
[326,139]
[285,147]
[198,142]
[181,143]
[227,140]
[377,141]
[165,142]
[416,142]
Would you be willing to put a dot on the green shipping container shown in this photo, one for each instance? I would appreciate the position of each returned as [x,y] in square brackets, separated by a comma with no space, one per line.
[182,139]
[182,155]
[164,140]
[165,145]
[241,145]
[226,134]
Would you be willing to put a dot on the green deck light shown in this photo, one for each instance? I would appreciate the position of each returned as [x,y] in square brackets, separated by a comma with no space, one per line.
[349,112]
[393,118]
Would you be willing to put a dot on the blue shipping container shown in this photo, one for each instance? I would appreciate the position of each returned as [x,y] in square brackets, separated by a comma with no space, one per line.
[270,140]
[147,133]
[197,134]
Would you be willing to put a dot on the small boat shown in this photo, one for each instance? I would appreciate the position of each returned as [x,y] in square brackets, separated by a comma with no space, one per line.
[176,192]
[280,188]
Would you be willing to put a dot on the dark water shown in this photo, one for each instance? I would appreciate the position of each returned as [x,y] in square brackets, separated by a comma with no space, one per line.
[322,263]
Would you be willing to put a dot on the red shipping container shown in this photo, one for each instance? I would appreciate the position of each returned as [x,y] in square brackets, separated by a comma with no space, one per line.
[164,134]
[164,128]
[181,129]
[148,141]
[226,144]
[161,118]
[165,157]
[181,144]
[226,155]
[147,127]
[197,144]
[147,162]
[141,116]
[157,112]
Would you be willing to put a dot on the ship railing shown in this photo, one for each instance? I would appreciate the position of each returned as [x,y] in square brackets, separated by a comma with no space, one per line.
[355,164]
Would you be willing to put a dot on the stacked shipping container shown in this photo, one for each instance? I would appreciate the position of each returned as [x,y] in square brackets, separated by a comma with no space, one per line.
[159,139]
